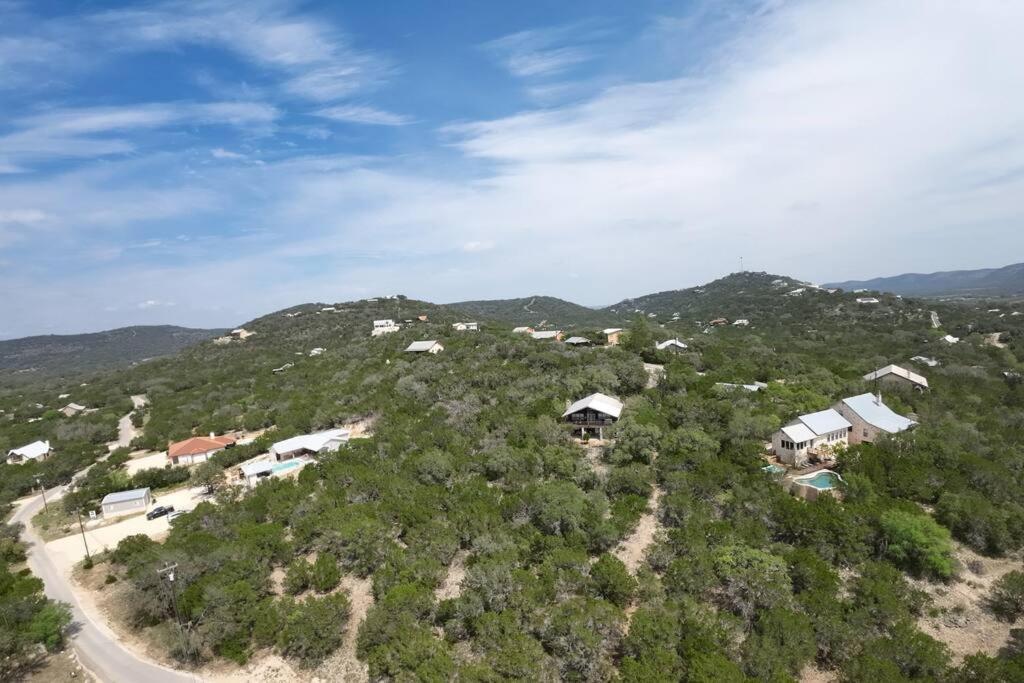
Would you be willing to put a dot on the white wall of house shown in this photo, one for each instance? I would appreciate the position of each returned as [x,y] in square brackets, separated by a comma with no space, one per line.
[862,432]
[798,453]
[126,507]
[195,458]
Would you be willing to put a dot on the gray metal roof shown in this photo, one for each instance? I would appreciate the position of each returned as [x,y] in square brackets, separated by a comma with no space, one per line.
[254,468]
[419,346]
[123,496]
[825,421]
[798,432]
[577,340]
[871,409]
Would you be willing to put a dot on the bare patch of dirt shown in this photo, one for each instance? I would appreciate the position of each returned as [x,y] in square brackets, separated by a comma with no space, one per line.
[277,580]
[958,616]
[993,340]
[812,674]
[633,548]
[451,587]
[343,665]
[654,374]
[593,456]
[59,667]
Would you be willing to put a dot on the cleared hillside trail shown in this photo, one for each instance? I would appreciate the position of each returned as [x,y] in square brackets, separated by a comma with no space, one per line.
[126,431]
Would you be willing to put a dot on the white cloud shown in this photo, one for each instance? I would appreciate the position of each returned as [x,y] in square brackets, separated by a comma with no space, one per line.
[477,245]
[544,51]
[22,216]
[316,61]
[87,131]
[154,303]
[221,153]
[364,114]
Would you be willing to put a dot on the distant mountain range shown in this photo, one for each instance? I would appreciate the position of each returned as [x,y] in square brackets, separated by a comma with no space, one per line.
[985,282]
[71,353]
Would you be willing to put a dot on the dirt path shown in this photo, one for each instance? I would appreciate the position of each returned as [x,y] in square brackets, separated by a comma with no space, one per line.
[593,456]
[963,623]
[126,431]
[451,587]
[654,374]
[633,548]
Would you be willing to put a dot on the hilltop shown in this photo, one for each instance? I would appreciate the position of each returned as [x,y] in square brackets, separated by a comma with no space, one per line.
[73,353]
[535,310]
[1007,281]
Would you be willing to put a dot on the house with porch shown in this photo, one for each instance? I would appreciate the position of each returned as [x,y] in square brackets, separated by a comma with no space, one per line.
[595,412]
[37,450]
[384,327]
[811,436]
[871,418]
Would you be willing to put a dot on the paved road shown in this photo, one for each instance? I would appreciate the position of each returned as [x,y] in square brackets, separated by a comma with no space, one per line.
[98,648]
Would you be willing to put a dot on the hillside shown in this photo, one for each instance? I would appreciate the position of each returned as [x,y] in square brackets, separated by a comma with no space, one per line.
[465,533]
[73,353]
[535,310]
[985,282]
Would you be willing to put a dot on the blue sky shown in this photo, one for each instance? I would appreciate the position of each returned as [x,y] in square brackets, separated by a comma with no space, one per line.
[205,162]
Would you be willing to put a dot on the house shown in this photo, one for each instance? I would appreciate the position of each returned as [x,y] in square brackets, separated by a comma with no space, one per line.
[950,339]
[548,334]
[197,449]
[241,333]
[671,345]
[579,341]
[422,318]
[894,375]
[924,360]
[326,441]
[871,418]
[729,386]
[867,300]
[317,351]
[282,368]
[37,450]
[741,322]
[384,327]
[811,436]
[594,411]
[612,335]
[522,330]
[797,292]
[72,409]
[431,346]
[718,321]
[125,502]
[464,327]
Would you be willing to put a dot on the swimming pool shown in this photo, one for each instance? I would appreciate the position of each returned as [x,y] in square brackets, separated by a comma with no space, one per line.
[282,467]
[823,480]
[773,468]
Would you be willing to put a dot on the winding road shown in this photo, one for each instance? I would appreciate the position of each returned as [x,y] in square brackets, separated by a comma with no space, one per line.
[97,647]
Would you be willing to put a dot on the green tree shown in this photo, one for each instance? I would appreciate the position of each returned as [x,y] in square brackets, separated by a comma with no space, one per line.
[325,574]
[918,543]
[1006,598]
[612,580]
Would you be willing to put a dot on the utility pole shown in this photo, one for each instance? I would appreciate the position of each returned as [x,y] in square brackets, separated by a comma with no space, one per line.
[82,529]
[168,573]
[42,489]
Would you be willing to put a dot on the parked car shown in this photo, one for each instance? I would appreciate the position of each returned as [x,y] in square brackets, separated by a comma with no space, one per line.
[159,511]
[173,517]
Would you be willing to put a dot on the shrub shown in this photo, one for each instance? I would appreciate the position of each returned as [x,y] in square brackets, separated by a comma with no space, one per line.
[1007,596]
[917,543]
[325,574]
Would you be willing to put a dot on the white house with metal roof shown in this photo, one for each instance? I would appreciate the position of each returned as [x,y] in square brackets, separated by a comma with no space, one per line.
[811,435]
[37,450]
[429,346]
[671,345]
[578,341]
[871,418]
[894,375]
[384,327]
[125,502]
[466,327]
[547,334]
[326,441]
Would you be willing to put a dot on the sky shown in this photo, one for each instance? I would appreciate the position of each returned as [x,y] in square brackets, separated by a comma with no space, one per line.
[204,162]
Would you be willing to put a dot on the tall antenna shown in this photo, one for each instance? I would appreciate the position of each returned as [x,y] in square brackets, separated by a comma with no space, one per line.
[741,265]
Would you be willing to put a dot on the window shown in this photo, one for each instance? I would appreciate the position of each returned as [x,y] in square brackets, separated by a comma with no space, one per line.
[865,432]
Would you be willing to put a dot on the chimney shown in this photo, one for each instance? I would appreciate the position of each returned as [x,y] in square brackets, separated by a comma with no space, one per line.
[878,399]
[213,435]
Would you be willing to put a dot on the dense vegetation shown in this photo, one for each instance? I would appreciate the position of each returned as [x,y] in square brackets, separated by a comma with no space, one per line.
[536,311]
[468,458]
[30,624]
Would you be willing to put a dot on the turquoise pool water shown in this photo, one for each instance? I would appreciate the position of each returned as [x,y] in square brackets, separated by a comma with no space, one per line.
[823,480]
[773,469]
[280,467]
